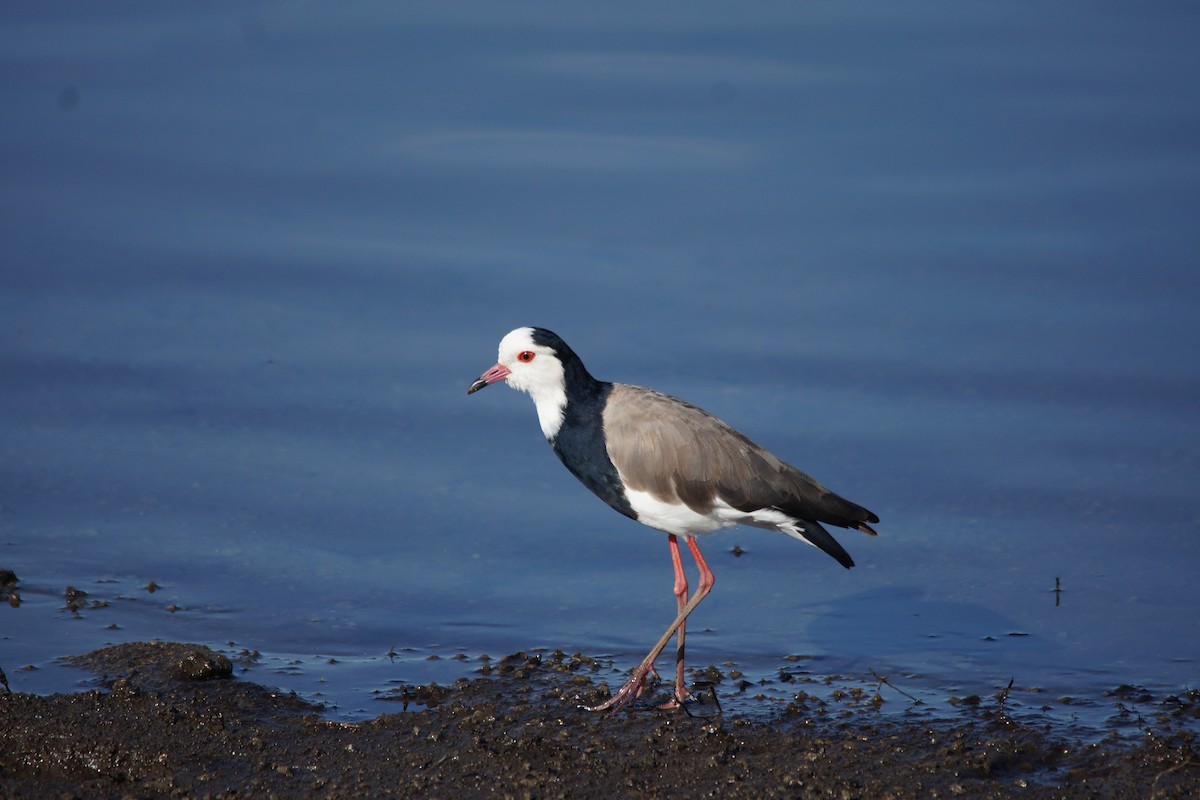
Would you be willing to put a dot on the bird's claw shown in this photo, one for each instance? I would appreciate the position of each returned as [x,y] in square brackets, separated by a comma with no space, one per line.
[679,698]
[633,688]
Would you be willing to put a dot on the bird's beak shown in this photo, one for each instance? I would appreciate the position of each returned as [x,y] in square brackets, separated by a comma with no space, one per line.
[496,373]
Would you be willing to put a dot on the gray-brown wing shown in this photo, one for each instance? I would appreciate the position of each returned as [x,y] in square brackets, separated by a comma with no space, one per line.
[680,453]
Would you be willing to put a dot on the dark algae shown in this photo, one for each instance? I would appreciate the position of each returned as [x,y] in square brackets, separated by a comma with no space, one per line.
[170,721]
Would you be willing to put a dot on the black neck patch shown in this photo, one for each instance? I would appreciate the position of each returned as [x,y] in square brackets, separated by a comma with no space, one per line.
[580,441]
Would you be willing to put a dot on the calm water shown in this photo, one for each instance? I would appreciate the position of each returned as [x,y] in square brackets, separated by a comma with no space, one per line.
[942,258]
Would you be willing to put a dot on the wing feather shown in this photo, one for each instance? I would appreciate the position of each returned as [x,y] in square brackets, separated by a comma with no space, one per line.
[680,453]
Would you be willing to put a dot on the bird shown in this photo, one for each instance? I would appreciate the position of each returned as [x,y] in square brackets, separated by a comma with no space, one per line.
[669,465]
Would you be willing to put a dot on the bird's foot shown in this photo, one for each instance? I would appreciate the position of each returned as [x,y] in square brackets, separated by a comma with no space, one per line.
[633,689]
[679,698]
[626,694]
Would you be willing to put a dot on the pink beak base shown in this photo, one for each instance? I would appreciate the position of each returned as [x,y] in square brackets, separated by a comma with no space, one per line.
[496,373]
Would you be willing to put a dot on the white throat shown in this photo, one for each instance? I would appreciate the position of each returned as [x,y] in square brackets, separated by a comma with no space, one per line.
[551,405]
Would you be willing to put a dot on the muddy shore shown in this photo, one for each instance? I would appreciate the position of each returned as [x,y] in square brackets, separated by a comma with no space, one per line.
[172,722]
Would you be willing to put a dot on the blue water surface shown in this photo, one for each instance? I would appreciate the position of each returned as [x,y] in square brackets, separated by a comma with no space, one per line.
[941,256]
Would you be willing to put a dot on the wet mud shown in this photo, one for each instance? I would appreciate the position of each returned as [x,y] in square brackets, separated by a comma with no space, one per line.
[171,721]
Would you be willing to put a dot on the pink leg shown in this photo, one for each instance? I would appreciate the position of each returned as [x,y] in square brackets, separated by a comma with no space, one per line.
[633,687]
[681,596]
[681,593]
[706,583]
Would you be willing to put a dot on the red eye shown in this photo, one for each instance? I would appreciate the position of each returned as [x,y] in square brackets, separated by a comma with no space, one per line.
[525,356]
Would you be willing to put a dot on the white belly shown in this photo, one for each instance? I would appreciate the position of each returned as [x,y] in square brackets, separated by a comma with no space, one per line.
[678,518]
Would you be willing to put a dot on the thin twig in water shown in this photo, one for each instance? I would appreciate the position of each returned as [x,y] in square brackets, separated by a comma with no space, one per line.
[883,681]
[1002,697]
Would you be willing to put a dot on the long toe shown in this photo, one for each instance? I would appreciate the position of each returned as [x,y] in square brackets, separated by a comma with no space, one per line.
[626,694]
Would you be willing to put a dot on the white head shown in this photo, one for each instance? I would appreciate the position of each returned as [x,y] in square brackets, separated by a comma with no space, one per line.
[535,368]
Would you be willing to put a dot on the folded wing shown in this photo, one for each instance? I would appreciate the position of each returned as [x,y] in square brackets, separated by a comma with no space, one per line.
[680,453]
